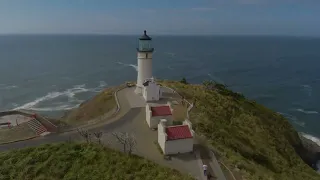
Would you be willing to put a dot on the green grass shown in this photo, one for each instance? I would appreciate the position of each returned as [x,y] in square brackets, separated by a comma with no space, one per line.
[245,134]
[71,161]
[102,103]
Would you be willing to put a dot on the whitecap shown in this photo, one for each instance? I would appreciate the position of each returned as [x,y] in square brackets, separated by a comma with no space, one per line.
[170,54]
[305,111]
[131,65]
[70,93]
[8,87]
[307,89]
[102,84]
[49,96]
[14,104]
[56,108]
[52,95]
[312,138]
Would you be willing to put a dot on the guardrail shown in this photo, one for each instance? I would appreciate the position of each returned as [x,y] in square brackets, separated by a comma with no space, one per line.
[190,104]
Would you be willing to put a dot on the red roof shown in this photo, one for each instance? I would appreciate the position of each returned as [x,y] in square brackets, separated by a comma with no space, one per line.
[161,111]
[178,132]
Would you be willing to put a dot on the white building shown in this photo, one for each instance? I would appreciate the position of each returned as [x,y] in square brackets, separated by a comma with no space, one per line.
[151,91]
[155,113]
[175,139]
[144,55]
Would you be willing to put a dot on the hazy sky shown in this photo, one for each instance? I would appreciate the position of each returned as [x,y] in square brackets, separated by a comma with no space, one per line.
[274,17]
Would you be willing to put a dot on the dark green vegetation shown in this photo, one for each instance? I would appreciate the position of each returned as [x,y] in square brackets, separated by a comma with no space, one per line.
[184,81]
[79,161]
[245,135]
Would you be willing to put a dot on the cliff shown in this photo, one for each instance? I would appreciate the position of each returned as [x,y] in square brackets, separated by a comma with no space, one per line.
[247,136]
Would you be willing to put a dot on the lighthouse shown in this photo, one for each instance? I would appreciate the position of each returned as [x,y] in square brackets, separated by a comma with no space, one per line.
[144,55]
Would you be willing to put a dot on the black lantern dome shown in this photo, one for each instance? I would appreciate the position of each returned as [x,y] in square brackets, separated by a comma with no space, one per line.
[145,43]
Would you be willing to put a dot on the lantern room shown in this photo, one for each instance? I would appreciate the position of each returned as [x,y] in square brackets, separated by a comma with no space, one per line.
[145,44]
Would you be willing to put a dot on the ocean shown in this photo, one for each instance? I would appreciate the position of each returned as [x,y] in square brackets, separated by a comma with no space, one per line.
[54,73]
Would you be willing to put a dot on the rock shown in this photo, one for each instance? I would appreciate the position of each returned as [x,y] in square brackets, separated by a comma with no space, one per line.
[309,151]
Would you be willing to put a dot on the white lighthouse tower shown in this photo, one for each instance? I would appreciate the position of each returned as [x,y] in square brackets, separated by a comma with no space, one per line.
[144,55]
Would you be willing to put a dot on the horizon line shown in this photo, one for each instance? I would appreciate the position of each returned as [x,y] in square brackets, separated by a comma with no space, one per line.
[157,34]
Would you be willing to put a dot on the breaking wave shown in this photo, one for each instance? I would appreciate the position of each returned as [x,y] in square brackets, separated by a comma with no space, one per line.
[312,138]
[305,111]
[131,65]
[307,89]
[70,93]
[57,108]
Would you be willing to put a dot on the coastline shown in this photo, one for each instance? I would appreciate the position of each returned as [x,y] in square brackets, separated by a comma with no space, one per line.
[310,150]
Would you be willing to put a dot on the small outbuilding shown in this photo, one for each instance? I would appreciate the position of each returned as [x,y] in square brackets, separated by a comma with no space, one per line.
[151,90]
[155,113]
[175,139]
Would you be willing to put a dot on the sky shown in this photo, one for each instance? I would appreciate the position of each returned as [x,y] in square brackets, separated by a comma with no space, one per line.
[184,17]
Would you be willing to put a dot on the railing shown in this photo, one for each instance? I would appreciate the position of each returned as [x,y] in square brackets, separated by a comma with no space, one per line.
[46,123]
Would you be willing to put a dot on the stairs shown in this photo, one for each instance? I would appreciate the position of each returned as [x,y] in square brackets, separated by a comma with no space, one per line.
[37,127]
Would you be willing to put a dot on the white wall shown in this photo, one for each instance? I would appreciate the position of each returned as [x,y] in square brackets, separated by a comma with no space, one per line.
[148,115]
[178,146]
[154,121]
[144,67]
[162,136]
[151,92]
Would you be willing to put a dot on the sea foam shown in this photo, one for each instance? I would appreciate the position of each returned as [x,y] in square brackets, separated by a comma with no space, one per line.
[7,87]
[305,111]
[131,65]
[70,93]
[312,138]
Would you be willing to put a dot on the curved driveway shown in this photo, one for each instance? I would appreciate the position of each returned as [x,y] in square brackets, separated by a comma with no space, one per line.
[125,114]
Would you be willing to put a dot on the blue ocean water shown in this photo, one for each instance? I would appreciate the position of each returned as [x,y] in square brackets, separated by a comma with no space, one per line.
[54,73]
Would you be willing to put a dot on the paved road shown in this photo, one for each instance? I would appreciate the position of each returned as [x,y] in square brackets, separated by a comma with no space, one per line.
[53,138]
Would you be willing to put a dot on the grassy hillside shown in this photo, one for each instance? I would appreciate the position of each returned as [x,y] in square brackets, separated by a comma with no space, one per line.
[79,161]
[97,106]
[246,135]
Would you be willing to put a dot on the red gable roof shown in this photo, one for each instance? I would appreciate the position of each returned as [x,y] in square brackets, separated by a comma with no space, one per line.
[178,132]
[161,111]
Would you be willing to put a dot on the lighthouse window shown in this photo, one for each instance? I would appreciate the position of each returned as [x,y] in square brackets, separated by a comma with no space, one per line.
[144,44]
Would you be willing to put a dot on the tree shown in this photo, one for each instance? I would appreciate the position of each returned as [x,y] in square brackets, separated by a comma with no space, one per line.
[209,85]
[98,136]
[85,134]
[127,140]
[184,80]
